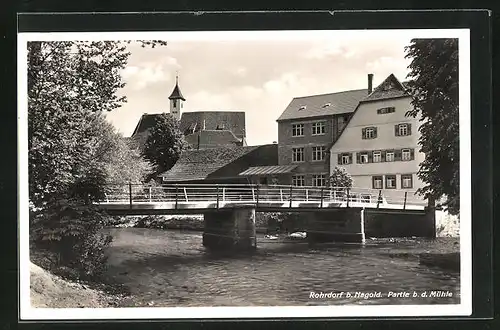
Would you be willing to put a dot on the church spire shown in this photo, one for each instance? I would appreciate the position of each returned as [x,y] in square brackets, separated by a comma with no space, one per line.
[176,93]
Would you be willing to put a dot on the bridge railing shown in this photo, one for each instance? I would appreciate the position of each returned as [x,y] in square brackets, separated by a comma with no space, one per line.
[136,193]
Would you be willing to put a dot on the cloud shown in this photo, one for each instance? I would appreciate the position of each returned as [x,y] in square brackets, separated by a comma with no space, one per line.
[147,73]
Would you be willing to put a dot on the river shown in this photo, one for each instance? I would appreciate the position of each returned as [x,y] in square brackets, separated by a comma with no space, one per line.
[172,268]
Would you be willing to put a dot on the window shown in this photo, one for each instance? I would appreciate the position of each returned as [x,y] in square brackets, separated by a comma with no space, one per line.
[302,107]
[319,180]
[406,181]
[318,128]
[363,158]
[390,182]
[377,156]
[318,153]
[344,159]
[377,182]
[297,129]
[382,111]
[369,133]
[406,155]
[402,129]
[389,156]
[297,154]
[298,180]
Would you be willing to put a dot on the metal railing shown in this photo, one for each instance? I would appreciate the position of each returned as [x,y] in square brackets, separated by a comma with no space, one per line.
[284,195]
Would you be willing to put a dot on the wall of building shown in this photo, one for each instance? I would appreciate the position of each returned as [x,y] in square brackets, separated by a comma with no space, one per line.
[286,142]
[351,141]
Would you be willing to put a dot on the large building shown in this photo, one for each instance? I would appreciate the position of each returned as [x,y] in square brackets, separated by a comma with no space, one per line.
[202,129]
[379,145]
[365,131]
[306,129]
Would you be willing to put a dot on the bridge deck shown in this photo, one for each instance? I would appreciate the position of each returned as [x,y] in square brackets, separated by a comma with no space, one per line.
[178,199]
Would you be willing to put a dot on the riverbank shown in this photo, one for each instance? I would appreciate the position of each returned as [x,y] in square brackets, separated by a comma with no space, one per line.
[51,291]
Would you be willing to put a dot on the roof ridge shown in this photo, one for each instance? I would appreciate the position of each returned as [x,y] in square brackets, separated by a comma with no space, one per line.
[351,90]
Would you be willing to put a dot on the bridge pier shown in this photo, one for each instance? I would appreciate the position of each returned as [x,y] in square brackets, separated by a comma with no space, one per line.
[230,229]
[340,225]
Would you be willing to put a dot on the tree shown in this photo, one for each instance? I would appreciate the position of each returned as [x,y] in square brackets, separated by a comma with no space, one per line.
[434,87]
[72,150]
[340,178]
[164,143]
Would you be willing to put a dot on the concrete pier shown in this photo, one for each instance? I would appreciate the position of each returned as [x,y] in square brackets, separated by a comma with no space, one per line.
[230,229]
[341,225]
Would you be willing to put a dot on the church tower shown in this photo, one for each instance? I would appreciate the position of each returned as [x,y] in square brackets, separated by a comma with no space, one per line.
[176,100]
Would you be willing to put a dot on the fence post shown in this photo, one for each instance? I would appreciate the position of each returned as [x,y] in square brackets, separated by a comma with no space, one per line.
[348,197]
[130,194]
[150,195]
[223,194]
[404,204]
[379,197]
[307,195]
[186,195]
[176,196]
[322,188]
[281,194]
[217,197]
[257,204]
[291,196]
[253,194]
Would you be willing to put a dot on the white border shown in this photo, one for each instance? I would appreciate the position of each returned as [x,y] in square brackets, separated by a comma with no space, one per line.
[465,306]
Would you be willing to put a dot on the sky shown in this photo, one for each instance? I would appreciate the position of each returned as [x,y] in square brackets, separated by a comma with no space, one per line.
[259,75]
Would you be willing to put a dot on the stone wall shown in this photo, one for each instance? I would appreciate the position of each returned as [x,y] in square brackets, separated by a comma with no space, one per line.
[380,223]
[343,225]
[230,229]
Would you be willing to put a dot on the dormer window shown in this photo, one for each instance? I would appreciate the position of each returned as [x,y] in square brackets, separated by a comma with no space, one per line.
[326,105]
[302,107]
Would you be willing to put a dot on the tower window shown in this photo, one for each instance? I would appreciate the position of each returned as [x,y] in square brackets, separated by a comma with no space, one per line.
[174,103]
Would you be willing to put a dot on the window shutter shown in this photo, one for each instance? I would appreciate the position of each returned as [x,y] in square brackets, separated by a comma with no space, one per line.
[373,182]
[370,157]
[402,176]
[374,132]
[412,154]
[350,158]
[382,156]
[339,159]
[358,157]
[409,129]
[397,154]
[363,133]
[396,130]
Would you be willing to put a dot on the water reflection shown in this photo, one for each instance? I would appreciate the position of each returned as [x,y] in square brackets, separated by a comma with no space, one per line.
[171,268]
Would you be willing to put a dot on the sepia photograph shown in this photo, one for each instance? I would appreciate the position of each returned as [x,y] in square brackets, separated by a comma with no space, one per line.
[223,174]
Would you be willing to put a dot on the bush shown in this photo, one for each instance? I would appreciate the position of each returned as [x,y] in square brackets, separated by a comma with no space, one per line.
[70,230]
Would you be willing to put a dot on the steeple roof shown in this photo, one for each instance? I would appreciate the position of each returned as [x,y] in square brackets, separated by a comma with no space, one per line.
[176,93]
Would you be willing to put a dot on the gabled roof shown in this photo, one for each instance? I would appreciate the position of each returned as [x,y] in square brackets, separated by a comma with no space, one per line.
[194,165]
[176,93]
[391,87]
[268,170]
[212,139]
[233,121]
[323,105]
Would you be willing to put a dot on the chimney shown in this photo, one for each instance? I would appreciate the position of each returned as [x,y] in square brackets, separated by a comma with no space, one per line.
[370,83]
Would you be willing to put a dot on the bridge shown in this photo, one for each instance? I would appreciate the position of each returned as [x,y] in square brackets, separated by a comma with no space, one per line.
[136,199]
[333,213]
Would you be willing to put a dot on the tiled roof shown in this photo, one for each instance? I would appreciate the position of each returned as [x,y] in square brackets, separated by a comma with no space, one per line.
[176,93]
[195,165]
[324,104]
[146,122]
[198,164]
[391,87]
[212,139]
[264,170]
[212,120]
